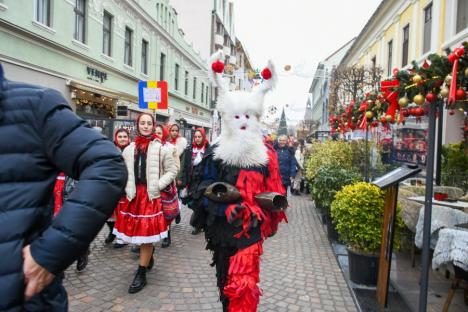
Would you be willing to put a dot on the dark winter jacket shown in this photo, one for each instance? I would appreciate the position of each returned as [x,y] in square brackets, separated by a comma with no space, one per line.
[287,163]
[41,136]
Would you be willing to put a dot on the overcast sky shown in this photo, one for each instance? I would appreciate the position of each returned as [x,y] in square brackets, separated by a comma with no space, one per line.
[299,33]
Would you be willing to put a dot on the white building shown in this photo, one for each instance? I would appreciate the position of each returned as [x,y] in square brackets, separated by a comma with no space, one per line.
[319,88]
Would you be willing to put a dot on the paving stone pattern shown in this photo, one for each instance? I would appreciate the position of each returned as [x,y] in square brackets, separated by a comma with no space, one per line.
[299,272]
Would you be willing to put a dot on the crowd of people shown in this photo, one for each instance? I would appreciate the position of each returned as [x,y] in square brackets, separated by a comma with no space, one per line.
[147,177]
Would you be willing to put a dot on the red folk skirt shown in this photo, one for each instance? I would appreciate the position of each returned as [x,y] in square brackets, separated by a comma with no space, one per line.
[140,221]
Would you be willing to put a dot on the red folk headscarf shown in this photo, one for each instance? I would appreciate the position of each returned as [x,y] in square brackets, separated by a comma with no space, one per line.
[204,142]
[142,142]
[171,139]
[165,134]
[116,142]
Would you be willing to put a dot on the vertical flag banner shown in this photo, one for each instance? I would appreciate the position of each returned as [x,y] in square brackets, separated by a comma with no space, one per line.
[152,94]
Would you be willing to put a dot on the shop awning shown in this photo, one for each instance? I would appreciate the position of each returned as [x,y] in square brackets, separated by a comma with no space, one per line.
[197,122]
[101,90]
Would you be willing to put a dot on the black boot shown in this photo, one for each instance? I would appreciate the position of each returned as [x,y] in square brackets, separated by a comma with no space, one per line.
[82,262]
[177,219]
[166,241]
[196,231]
[139,281]
[110,238]
[150,264]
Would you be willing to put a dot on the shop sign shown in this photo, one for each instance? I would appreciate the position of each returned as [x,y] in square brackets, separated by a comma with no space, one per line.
[96,75]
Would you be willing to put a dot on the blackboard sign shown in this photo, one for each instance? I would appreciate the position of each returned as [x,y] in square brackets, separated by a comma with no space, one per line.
[396,176]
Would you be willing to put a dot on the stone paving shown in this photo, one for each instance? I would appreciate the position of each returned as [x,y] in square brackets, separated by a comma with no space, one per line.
[299,273]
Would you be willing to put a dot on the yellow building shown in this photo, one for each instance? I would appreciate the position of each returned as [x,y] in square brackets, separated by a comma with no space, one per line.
[401,31]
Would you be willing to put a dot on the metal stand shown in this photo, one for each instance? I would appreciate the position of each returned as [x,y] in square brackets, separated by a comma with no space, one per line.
[367,154]
[440,124]
[428,210]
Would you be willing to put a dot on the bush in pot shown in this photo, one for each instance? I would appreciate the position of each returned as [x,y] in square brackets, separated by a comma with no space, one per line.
[335,153]
[328,180]
[358,213]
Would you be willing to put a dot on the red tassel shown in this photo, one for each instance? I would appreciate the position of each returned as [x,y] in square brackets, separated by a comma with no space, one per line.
[453,85]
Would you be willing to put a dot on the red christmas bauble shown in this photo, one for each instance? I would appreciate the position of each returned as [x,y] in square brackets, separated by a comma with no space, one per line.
[438,83]
[217,67]
[419,111]
[374,124]
[266,73]
[431,97]
[383,120]
[459,51]
[460,95]
[405,112]
[452,57]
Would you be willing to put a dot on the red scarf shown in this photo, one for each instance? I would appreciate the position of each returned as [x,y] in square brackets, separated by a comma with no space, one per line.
[204,142]
[142,142]
[165,134]
[173,140]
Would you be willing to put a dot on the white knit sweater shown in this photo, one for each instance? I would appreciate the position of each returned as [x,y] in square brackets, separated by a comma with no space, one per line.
[155,180]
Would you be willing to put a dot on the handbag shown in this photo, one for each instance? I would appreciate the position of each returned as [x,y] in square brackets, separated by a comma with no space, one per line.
[169,198]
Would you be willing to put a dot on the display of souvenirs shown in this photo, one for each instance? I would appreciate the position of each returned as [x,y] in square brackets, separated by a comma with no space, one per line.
[410,144]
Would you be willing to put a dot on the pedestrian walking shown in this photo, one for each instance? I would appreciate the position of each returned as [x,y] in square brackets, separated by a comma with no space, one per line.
[121,141]
[191,158]
[235,224]
[151,169]
[299,156]
[162,132]
[287,161]
[41,136]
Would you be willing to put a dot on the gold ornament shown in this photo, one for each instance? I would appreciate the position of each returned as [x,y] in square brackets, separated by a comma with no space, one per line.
[417,79]
[403,102]
[466,72]
[370,102]
[419,99]
[444,92]
[369,115]
[378,104]
[389,118]
[448,79]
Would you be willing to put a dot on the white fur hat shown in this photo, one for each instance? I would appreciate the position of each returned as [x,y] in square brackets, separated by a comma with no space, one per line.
[240,101]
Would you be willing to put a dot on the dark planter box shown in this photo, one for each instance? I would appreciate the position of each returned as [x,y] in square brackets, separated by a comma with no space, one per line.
[363,268]
[331,228]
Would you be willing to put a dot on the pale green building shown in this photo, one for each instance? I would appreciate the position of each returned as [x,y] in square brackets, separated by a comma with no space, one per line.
[96,51]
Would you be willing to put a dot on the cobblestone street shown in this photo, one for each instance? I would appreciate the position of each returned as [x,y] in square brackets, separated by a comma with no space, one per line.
[299,273]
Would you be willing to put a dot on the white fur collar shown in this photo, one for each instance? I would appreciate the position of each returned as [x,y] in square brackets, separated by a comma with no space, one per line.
[241,151]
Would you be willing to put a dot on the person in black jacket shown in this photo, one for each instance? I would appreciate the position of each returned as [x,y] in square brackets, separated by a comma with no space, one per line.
[287,161]
[190,159]
[40,137]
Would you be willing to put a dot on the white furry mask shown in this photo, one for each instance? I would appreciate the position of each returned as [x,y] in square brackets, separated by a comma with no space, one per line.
[241,142]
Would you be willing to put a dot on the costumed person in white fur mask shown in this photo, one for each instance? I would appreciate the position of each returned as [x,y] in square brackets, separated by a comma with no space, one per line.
[235,220]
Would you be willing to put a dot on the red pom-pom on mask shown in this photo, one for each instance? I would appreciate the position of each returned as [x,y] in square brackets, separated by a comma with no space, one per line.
[217,67]
[266,74]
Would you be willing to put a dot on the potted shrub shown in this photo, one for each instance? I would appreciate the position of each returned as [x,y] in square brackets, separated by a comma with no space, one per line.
[358,213]
[328,180]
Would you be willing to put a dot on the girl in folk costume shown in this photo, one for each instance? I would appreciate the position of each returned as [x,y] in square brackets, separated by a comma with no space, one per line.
[190,159]
[162,132]
[176,139]
[121,141]
[151,168]
[237,221]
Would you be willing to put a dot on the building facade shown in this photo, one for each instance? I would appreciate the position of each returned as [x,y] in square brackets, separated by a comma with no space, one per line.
[319,89]
[95,52]
[401,31]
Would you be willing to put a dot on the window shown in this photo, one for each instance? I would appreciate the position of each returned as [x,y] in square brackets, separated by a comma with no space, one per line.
[128,46]
[427,28]
[43,12]
[80,7]
[202,96]
[374,62]
[389,57]
[162,66]
[186,83]
[404,59]
[107,34]
[462,15]
[206,95]
[157,10]
[144,57]
[176,77]
[194,88]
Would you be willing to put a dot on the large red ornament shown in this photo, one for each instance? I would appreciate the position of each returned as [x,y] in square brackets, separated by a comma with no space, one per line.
[431,97]
[459,51]
[383,120]
[460,95]
[217,67]
[419,111]
[452,57]
[266,74]
[405,112]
